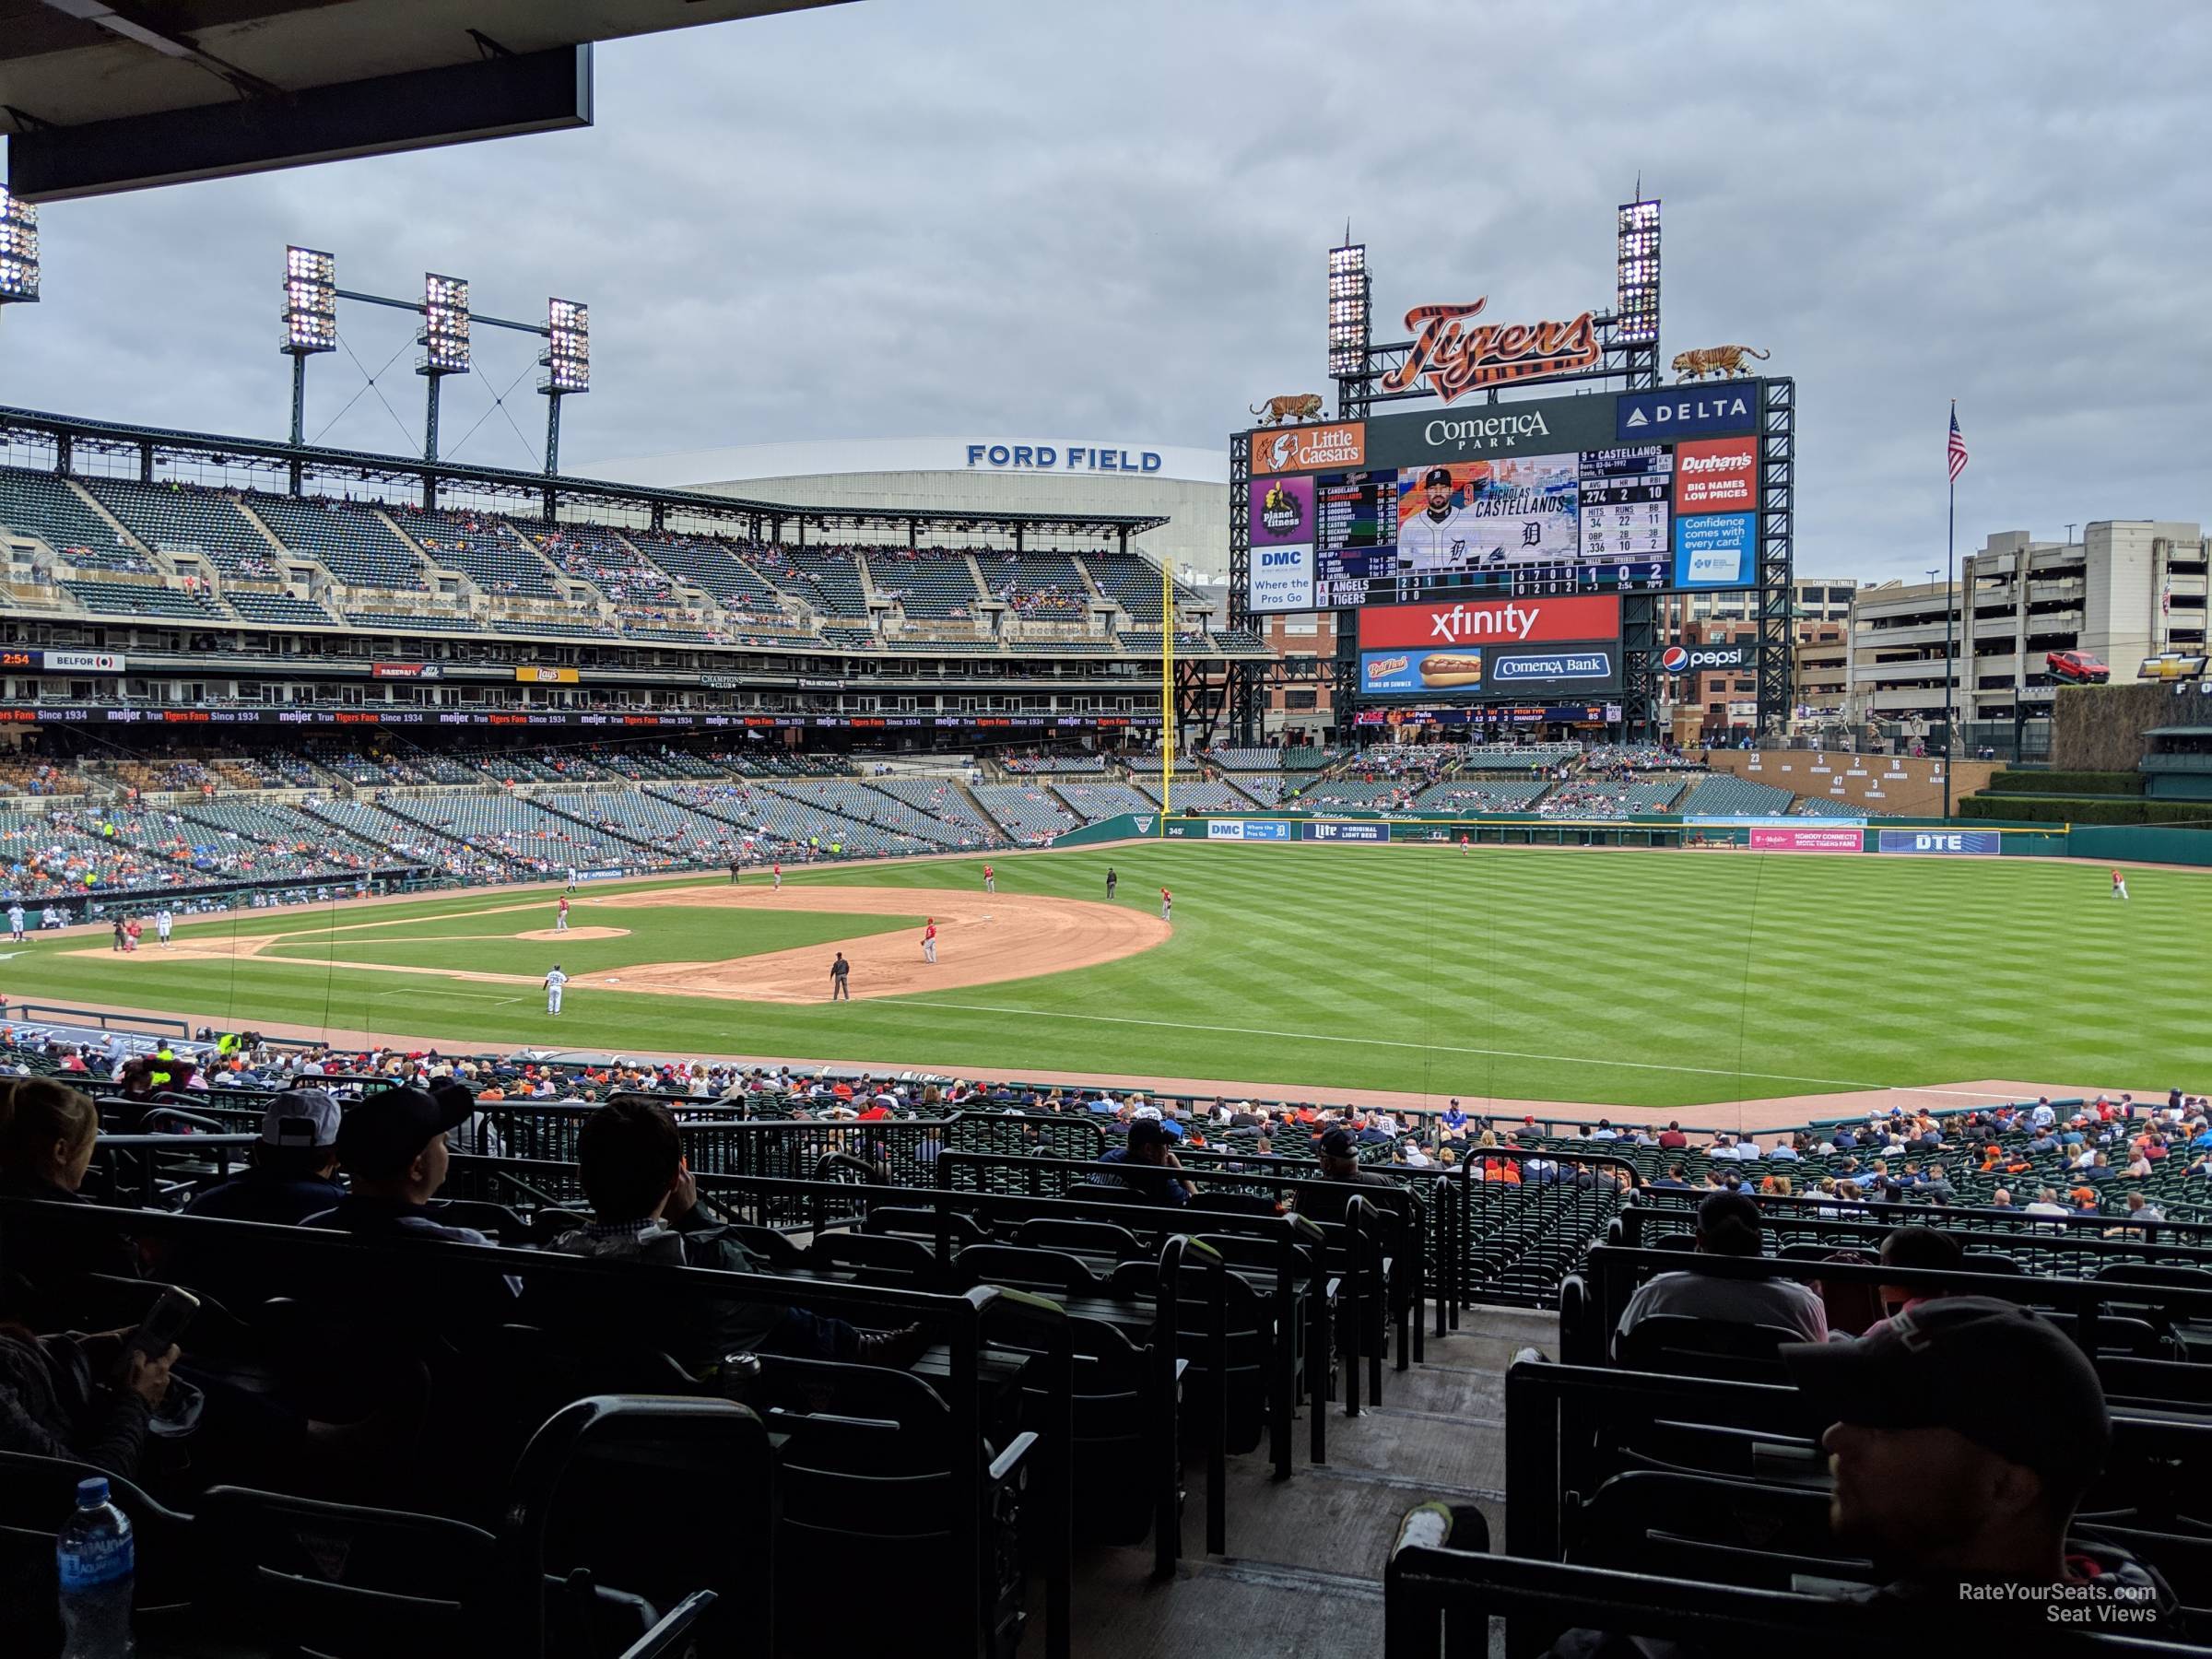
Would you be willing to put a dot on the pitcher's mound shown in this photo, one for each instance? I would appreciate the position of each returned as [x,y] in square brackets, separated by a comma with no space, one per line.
[575,933]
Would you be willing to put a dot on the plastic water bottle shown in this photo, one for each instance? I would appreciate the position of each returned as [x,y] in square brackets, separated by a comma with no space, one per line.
[96,1558]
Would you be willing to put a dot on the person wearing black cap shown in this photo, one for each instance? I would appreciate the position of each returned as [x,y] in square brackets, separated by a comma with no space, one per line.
[1728,1225]
[1148,1145]
[393,1147]
[1944,1483]
[1339,1156]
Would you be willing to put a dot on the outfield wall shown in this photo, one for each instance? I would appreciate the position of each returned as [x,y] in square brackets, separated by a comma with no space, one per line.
[1910,838]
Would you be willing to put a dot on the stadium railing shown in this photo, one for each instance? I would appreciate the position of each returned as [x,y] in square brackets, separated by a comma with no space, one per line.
[1799,1210]
[966,1321]
[2037,1243]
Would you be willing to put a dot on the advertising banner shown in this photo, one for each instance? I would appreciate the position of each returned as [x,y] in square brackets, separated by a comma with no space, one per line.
[1364,834]
[81,662]
[1244,829]
[1282,577]
[1714,549]
[1687,412]
[1570,668]
[1401,672]
[1717,475]
[1282,511]
[1807,841]
[1309,448]
[49,714]
[407,671]
[1952,843]
[1705,659]
[545,676]
[1491,622]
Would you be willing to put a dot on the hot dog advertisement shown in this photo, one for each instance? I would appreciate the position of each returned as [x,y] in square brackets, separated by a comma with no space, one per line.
[1395,673]
[1489,672]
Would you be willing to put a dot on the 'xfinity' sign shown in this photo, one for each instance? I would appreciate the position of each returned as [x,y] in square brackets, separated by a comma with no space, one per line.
[1065,457]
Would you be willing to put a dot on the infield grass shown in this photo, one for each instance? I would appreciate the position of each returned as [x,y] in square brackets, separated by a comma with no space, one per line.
[1656,979]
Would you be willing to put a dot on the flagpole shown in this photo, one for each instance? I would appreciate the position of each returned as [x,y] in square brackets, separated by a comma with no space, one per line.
[1950,616]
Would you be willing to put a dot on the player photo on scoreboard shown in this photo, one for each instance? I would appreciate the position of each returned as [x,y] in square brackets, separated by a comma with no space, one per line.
[1472,514]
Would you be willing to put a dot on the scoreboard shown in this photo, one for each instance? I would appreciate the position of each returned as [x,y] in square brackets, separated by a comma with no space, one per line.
[1587,494]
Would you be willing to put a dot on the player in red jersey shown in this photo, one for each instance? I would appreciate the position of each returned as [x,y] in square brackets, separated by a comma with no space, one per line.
[560,915]
[779,883]
[929,939]
[989,879]
[1167,903]
[2119,886]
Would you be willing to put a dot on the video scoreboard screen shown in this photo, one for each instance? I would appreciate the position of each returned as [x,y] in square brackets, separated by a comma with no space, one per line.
[1554,497]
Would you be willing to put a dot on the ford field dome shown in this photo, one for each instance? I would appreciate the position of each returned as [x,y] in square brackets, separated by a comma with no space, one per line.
[1189,488]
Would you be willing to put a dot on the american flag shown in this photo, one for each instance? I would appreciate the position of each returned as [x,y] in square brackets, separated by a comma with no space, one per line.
[1957,449]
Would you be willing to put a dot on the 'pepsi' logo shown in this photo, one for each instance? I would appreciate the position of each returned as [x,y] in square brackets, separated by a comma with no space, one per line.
[1674,659]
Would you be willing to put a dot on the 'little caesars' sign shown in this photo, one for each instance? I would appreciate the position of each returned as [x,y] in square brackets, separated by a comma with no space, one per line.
[1061,457]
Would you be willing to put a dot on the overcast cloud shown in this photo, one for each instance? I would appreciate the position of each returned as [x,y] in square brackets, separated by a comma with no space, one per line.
[887,218]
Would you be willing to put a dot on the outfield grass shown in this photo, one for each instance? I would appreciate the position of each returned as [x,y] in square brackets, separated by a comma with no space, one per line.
[1657,979]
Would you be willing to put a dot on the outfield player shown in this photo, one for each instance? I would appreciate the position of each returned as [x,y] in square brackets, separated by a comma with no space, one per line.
[1112,882]
[929,939]
[2119,886]
[989,879]
[1463,843]
[572,886]
[1167,903]
[560,916]
[554,981]
[161,925]
[14,923]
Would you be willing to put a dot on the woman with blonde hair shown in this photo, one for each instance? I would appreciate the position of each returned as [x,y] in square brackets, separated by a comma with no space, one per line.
[47,1133]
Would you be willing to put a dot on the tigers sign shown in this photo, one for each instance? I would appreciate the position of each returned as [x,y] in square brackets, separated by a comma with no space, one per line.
[1455,358]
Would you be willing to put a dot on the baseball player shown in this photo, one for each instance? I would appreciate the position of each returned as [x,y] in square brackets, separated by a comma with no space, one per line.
[1463,843]
[1167,903]
[554,981]
[572,886]
[161,925]
[1112,882]
[840,971]
[14,923]
[2119,886]
[560,915]
[779,882]
[989,879]
[929,939]
[1443,535]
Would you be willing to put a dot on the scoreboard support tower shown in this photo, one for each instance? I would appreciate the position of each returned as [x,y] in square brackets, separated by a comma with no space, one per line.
[1777,539]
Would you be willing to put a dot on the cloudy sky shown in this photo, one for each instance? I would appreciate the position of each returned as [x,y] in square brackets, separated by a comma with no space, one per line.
[911,216]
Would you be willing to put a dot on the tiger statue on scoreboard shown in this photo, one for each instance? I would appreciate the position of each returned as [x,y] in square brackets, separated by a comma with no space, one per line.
[1723,363]
[1304,406]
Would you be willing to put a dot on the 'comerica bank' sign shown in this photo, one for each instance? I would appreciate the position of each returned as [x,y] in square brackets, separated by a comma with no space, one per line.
[1068,457]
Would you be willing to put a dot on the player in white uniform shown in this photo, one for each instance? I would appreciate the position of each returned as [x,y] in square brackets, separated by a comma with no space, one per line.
[1446,534]
[15,923]
[554,981]
[161,925]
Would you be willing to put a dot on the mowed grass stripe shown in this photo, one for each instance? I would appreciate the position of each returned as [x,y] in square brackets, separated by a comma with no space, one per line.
[1660,978]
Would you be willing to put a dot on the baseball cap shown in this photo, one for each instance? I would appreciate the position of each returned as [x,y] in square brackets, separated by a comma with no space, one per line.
[1338,1143]
[1437,475]
[301,1117]
[1941,1364]
[384,1135]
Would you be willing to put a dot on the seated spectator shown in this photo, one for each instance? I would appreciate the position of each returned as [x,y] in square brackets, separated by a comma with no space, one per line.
[393,1147]
[1672,1180]
[47,1133]
[1911,1247]
[56,1399]
[645,1207]
[1147,1146]
[1929,1478]
[295,1165]
[1936,1188]
[1672,1140]
[1728,1225]
[2046,1204]
[1340,1167]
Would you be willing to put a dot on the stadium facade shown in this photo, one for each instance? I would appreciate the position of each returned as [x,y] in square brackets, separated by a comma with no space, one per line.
[983,474]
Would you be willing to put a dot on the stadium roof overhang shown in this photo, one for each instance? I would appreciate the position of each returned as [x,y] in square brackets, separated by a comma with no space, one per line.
[159,444]
[107,95]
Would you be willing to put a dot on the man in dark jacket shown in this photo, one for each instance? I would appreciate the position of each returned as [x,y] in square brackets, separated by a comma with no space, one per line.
[294,1173]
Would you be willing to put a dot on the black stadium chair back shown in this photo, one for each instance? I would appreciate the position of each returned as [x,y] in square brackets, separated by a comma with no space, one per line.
[1704,1347]
[883,1260]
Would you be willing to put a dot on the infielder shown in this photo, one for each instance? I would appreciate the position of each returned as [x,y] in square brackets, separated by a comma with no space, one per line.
[929,939]
[572,886]
[554,981]
[14,923]
[1167,903]
[779,882]
[560,916]
[2119,886]
[989,879]
[161,924]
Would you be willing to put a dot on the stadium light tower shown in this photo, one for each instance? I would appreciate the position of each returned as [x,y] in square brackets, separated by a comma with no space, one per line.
[1349,325]
[18,250]
[444,340]
[1636,275]
[567,360]
[310,321]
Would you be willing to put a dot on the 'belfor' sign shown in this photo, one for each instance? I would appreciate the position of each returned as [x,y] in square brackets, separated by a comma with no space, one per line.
[1454,358]
[1491,622]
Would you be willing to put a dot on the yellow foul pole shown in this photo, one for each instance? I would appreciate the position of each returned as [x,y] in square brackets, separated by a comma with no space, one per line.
[1167,687]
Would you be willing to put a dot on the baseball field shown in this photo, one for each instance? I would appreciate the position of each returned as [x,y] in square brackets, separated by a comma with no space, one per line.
[1639,979]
